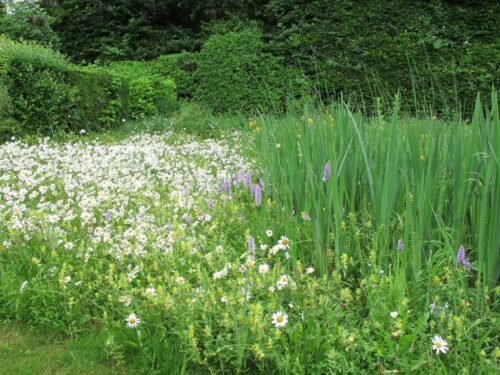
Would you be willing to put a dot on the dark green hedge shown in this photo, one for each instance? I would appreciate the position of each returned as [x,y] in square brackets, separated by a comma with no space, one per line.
[99,99]
[181,67]
[41,93]
[437,53]
[235,74]
[150,93]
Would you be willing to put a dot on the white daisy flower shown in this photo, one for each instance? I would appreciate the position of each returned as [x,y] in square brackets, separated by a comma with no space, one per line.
[264,268]
[132,320]
[282,281]
[284,242]
[280,319]
[394,314]
[151,292]
[309,270]
[439,345]
[274,250]
[269,233]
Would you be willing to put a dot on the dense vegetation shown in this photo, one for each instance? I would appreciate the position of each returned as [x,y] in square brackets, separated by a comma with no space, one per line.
[43,94]
[247,56]
[271,186]
[444,49]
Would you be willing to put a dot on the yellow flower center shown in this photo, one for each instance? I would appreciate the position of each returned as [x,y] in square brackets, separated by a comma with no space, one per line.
[279,318]
[132,320]
[439,345]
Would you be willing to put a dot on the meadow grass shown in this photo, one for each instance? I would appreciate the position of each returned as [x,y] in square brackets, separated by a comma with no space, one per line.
[320,242]
[433,185]
[25,352]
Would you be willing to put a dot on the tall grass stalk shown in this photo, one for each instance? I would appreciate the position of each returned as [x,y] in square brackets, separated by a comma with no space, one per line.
[433,184]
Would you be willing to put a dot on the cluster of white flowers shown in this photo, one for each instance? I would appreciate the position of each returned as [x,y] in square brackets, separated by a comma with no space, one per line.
[222,273]
[49,189]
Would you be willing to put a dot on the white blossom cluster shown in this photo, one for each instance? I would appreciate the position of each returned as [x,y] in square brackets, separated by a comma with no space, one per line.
[126,198]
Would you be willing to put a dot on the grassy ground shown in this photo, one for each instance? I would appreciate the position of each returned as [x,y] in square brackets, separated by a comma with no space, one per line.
[25,351]
[339,245]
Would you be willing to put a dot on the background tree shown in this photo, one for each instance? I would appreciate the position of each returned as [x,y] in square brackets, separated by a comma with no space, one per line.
[27,20]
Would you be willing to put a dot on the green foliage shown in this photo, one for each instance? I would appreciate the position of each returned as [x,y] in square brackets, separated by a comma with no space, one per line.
[410,181]
[235,74]
[181,68]
[437,53]
[193,118]
[45,94]
[89,246]
[119,30]
[7,123]
[35,80]
[149,93]
[28,21]
[99,98]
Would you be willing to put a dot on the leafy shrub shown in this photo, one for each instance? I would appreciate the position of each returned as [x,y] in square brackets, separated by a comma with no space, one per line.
[150,93]
[439,54]
[181,67]
[34,77]
[7,123]
[99,98]
[43,94]
[235,74]
[28,21]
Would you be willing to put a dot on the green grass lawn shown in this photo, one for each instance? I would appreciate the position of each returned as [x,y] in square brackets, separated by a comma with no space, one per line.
[24,351]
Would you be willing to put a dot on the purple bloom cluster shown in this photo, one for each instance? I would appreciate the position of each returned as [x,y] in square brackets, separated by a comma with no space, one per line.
[226,186]
[251,243]
[462,258]
[245,178]
[401,245]
[327,172]
[257,193]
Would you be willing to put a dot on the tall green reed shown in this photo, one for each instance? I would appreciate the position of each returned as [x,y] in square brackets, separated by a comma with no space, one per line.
[435,185]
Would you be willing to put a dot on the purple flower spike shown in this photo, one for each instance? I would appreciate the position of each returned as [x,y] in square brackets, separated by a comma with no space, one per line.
[251,243]
[401,245]
[239,178]
[248,180]
[226,186]
[327,172]
[462,258]
[257,192]
[107,217]
[211,204]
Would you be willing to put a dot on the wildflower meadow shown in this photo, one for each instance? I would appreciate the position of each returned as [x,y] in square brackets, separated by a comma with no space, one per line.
[200,188]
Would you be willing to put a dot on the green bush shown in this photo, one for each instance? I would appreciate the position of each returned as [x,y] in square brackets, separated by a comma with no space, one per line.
[149,93]
[181,67]
[236,74]
[99,98]
[438,54]
[34,78]
[43,94]
[7,123]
